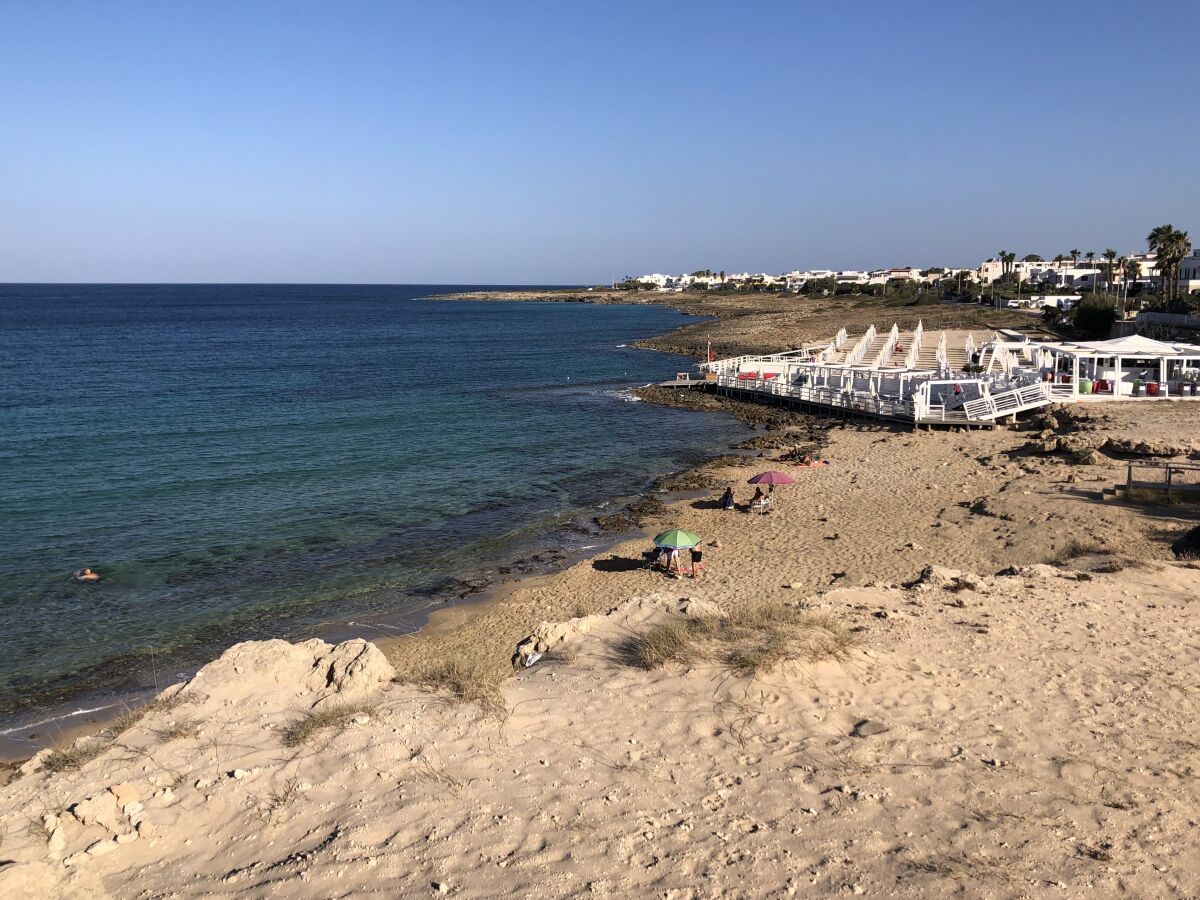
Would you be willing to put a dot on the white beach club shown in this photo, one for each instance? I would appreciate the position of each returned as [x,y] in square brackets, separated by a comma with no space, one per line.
[1126,367]
[958,377]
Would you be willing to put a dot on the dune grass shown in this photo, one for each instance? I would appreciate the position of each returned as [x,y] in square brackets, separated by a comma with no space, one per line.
[1073,549]
[64,759]
[471,679]
[750,641]
[302,730]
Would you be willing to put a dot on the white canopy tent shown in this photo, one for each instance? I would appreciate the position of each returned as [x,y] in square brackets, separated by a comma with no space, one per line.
[1123,367]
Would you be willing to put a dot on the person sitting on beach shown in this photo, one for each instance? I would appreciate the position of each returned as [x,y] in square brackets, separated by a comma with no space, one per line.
[760,500]
[86,575]
[727,501]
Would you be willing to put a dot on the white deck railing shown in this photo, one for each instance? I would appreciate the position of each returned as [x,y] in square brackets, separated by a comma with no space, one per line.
[854,357]
[914,350]
[942,361]
[833,397]
[992,406]
[889,344]
[840,338]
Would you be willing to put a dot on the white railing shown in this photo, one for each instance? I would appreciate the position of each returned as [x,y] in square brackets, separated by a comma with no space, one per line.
[840,339]
[992,406]
[860,349]
[942,361]
[885,352]
[914,350]
[924,405]
[969,347]
[833,397]
[1000,357]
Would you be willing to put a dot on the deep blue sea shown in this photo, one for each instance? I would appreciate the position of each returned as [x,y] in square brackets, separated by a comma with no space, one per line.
[251,461]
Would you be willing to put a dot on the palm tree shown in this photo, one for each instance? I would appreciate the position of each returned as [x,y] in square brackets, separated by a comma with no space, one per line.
[1074,258]
[1007,258]
[1109,256]
[1132,270]
[1170,245]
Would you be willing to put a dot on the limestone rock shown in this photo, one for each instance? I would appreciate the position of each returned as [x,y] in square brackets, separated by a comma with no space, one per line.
[35,762]
[1081,441]
[351,669]
[100,848]
[256,671]
[1133,447]
[938,576]
[100,809]
[1037,570]
[693,608]
[125,794]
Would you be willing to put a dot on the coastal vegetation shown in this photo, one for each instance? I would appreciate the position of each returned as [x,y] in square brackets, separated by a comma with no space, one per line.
[749,641]
[339,715]
[468,676]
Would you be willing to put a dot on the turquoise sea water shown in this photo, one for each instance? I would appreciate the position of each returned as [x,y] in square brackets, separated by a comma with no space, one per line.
[250,461]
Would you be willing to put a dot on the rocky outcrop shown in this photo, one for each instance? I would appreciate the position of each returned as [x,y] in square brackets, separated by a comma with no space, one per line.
[1156,449]
[257,672]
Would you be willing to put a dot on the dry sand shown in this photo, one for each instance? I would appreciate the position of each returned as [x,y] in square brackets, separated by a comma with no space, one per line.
[1040,725]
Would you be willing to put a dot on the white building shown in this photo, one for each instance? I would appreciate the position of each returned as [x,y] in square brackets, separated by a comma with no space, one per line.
[1189,273]
[1069,274]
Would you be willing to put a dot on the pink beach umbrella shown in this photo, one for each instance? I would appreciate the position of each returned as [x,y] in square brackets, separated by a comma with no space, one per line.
[772,478]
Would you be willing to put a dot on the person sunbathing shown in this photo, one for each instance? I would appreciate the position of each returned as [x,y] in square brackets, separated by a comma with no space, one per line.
[86,575]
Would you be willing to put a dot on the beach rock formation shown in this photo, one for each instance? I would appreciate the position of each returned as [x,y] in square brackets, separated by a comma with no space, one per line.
[255,672]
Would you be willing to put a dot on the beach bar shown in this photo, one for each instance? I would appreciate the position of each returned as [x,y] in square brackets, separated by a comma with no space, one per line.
[1133,367]
[957,377]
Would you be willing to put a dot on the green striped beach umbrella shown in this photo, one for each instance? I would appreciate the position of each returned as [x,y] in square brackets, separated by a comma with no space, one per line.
[676,539]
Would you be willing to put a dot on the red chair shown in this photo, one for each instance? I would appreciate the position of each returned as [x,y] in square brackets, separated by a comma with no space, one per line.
[1152,389]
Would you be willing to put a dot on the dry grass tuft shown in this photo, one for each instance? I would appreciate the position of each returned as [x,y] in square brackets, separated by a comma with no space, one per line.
[64,759]
[181,728]
[750,641]
[1152,497]
[672,641]
[1073,549]
[332,716]
[470,679]
[1119,564]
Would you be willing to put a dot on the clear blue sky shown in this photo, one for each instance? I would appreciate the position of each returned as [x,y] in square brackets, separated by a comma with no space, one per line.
[563,142]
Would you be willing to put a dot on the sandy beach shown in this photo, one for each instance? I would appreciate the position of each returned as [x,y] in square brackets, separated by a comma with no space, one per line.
[987,689]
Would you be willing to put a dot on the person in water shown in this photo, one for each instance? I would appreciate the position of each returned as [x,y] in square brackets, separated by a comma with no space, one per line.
[86,575]
[727,501]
